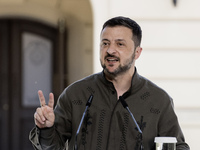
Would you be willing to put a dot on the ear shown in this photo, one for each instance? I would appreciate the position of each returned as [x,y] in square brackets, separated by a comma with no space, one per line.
[138,51]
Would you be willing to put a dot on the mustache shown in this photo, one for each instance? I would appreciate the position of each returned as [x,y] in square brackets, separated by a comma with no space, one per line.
[111,56]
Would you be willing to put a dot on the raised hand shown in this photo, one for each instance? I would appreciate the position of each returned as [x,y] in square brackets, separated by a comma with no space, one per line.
[44,115]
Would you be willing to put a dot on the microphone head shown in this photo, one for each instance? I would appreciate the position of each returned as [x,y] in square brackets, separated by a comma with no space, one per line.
[89,102]
[123,102]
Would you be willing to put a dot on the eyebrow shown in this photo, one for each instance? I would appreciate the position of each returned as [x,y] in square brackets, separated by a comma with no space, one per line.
[115,40]
[120,40]
[105,40]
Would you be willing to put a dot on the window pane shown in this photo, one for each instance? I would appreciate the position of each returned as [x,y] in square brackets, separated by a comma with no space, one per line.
[36,68]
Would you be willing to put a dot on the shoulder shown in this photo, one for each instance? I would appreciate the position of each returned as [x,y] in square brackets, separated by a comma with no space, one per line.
[79,89]
[157,92]
[87,80]
[85,83]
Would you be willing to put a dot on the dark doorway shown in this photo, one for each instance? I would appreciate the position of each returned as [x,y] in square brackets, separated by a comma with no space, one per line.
[31,58]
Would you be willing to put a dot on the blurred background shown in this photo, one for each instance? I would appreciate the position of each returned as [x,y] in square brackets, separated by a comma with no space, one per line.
[48,44]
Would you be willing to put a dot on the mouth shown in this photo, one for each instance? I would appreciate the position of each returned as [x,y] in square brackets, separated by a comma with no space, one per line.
[112,59]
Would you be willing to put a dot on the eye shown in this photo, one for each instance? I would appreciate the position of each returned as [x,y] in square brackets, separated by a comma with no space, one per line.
[104,44]
[120,44]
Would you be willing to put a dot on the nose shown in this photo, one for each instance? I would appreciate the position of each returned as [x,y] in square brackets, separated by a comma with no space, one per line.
[111,49]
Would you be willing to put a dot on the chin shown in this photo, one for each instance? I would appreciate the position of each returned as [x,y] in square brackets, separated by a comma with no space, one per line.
[111,70]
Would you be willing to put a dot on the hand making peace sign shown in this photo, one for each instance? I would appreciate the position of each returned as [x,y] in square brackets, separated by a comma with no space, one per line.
[44,115]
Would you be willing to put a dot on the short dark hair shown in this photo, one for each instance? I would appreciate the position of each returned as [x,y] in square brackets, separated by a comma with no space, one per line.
[126,22]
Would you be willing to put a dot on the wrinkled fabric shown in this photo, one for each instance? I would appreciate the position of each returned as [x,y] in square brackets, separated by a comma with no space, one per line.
[107,124]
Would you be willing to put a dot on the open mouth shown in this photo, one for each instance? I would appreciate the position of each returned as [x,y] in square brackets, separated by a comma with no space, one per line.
[112,59]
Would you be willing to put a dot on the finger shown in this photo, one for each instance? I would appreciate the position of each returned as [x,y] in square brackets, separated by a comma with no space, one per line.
[41,98]
[51,100]
[38,119]
[39,124]
[40,114]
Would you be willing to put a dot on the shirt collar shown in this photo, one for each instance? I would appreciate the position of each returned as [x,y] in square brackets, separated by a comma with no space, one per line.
[136,83]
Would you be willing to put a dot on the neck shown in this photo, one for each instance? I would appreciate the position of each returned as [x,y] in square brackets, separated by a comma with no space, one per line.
[121,82]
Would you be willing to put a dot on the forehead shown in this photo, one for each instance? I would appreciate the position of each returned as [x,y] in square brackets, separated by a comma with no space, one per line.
[120,32]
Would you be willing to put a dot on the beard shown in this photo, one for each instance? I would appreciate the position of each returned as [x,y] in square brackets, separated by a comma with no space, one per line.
[121,69]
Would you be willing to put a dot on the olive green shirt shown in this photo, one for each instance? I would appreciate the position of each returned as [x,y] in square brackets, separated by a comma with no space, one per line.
[107,124]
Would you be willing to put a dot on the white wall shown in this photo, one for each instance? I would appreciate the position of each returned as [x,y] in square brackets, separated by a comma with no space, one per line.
[171,51]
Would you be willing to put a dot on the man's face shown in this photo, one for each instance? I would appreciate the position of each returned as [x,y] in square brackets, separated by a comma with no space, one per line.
[117,50]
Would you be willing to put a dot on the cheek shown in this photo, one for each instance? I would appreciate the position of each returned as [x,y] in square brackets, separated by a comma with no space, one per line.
[102,51]
[126,56]
[101,54]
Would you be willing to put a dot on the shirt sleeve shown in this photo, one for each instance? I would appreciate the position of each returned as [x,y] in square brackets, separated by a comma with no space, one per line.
[34,138]
[169,126]
[56,136]
[45,139]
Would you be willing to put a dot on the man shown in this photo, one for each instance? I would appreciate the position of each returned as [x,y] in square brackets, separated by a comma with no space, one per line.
[107,124]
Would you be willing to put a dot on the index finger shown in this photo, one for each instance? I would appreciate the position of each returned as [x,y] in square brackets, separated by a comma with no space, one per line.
[51,100]
[41,98]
